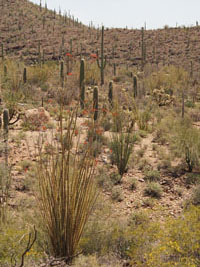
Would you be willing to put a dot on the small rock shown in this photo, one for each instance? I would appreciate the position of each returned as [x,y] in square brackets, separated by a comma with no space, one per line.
[141,180]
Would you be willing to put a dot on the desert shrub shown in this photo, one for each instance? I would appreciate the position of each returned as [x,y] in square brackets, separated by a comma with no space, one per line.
[106,123]
[164,165]
[178,242]
[179,191]
[13,78]
[186,140]
[132,183]
[26,164]
[195,199]
[192,178]
[121,146]
[152,176]
[115,178]
[153,189]
[117,194]
[143,119]
[141,152]
[92,74]
[38,76]
[95,261]
[138,218]
[149,202]
[144,165]
[104,235]
[189,104]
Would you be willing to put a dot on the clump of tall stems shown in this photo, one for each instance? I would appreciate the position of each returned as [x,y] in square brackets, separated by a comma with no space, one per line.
[67,191]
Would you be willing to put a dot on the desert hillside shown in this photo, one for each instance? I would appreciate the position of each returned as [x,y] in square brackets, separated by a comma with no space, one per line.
[99,142]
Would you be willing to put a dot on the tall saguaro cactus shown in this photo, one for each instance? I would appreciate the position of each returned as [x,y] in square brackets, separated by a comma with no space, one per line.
[82,85]
[95,102]
[62,73]
[110,94]
[24,76]
[143,49]
[102,65]
[135,91]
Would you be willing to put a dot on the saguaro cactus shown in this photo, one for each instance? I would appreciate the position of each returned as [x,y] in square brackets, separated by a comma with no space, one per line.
[39,53]
[143,49]
[71,46]
[95,102]
[82,86]
[62,72]
[110,93]
[135,92]
[103,60]
[24,76]
[5,120]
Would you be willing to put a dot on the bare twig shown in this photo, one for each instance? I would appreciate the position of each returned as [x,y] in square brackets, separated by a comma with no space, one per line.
[29,245]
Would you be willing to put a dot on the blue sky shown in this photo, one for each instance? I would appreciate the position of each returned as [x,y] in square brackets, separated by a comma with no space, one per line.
[131,13]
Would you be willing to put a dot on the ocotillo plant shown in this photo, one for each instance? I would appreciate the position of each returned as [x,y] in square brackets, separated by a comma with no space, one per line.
[135,92]
[110,94]
[24,76]
[103,60]
[82,86]
[95,102]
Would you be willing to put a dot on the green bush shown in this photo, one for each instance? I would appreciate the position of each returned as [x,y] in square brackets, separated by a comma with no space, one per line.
[186,141]
[115,178]
[152,176]
[133,183]
[154,190]
[121,146]
[192,178]
[196,196]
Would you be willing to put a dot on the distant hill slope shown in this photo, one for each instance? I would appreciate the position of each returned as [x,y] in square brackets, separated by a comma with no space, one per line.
[25,28]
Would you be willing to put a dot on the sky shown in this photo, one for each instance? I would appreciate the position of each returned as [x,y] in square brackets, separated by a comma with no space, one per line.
[130,13]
